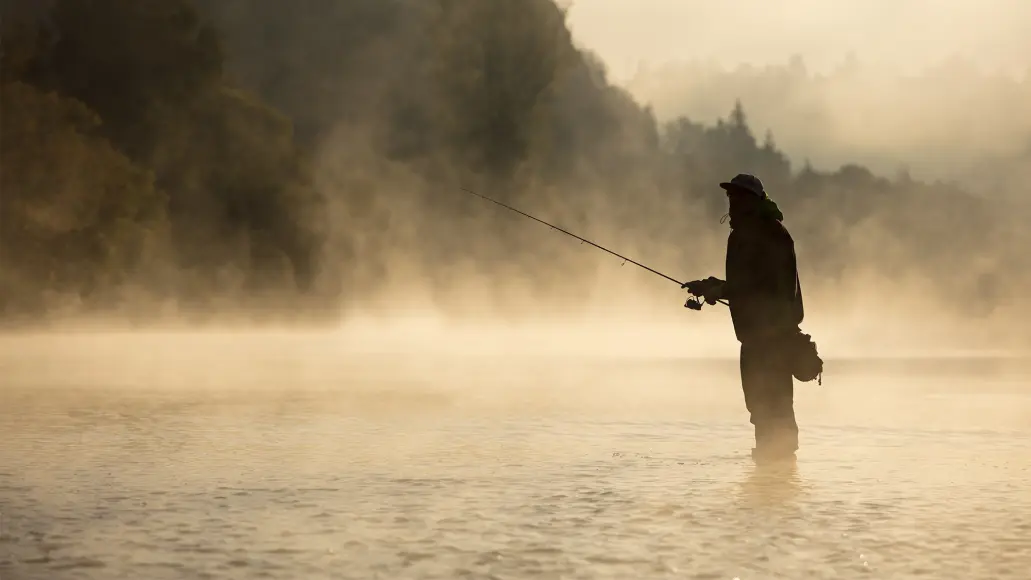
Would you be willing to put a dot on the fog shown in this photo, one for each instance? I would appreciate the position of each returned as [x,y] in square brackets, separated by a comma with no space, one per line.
[893,37]
[250,324]
[949,121]
[936,88]
[243,165]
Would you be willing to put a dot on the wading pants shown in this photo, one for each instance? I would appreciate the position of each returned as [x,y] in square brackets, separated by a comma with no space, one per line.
[769,397]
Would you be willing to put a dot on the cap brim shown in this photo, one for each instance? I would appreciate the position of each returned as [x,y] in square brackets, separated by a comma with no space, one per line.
[735,187]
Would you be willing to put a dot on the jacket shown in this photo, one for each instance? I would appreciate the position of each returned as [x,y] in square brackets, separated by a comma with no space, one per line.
[762,285]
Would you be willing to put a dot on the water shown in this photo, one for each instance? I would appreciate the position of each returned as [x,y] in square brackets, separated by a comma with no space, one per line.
[276,462]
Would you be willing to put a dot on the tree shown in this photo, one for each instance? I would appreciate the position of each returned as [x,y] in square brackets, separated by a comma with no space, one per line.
[76,216]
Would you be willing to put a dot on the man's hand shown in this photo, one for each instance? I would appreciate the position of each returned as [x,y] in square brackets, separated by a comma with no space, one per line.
[694,287]
[709,289]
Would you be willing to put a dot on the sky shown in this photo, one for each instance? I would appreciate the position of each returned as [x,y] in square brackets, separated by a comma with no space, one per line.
[904,34]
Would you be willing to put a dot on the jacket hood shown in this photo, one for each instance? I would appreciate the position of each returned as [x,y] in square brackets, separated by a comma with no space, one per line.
[769,209]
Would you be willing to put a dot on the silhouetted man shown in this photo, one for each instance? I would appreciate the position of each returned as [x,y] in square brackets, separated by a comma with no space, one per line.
[765,300]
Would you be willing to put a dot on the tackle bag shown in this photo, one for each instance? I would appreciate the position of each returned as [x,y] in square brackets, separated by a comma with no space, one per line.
[806,364]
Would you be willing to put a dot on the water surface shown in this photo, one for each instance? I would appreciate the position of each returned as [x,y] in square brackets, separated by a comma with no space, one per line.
[278,463]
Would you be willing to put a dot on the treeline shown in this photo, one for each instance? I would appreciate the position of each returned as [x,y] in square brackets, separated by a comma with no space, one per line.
[246,155]
[953,120]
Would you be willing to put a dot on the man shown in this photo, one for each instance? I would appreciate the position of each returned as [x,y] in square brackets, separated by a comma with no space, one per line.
[765,299]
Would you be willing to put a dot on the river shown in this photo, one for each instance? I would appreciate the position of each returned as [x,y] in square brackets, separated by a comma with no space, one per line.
[276,460]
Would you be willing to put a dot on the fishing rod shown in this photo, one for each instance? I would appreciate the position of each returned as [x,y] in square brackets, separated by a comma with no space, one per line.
[691,303]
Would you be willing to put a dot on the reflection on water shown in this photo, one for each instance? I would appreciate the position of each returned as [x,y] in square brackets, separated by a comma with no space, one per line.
[452,469]
[776,485]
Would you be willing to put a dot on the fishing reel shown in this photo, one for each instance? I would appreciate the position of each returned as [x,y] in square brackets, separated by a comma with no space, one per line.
[703,292]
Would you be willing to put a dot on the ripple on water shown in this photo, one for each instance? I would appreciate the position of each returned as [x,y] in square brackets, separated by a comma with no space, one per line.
[554,498]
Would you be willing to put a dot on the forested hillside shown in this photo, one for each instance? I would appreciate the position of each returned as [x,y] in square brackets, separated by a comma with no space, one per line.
[953,120]
[264,157]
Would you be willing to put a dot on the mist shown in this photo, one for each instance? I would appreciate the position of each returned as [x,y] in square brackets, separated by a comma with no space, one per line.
[255,165]
[938,89]
[250,324]
[899,38]
[950,122]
